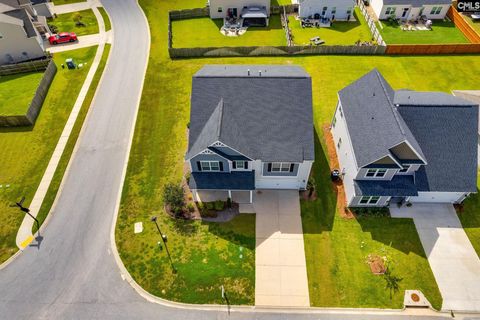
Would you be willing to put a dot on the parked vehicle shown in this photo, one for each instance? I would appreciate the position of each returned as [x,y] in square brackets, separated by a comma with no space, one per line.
[62,37]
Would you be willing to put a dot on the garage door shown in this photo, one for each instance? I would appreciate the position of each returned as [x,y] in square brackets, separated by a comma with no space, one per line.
[276,183]
[437,197]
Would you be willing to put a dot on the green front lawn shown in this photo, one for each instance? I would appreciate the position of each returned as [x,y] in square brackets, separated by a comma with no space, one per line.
[443,32]
[27,151]
[336,250]
[340,33]
[470,218]
[205,32]
[17,91]
[157,157]
[65,23]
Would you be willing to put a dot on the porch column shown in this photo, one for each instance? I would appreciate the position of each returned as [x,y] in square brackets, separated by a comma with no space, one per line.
[251,196]
[230,194]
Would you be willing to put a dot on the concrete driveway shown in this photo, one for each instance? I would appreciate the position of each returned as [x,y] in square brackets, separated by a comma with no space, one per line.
[281,274]
[454,262]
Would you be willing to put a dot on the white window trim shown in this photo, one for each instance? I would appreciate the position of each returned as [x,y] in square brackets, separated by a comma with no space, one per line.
[282,166]
[243,163]
[405,167]
[209,165]
[370,200]
[376,173]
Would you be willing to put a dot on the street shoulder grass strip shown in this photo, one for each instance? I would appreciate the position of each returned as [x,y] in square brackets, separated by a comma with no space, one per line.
[470,218]
[106,19]
[67,153]
[26,151]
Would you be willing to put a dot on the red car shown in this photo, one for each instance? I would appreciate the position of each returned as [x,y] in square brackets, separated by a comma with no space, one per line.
[62,37]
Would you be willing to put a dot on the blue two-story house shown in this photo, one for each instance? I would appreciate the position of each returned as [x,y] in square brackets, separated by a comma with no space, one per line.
[404,146]
[251,128]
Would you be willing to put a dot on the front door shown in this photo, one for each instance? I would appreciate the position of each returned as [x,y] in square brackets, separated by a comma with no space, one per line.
[232,12]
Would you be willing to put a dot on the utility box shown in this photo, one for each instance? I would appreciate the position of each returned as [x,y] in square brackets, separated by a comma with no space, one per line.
[70,63]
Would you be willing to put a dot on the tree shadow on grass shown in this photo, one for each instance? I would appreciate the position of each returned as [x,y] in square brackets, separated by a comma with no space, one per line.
[398,233]
[240,230]
[185,227]
[318,215]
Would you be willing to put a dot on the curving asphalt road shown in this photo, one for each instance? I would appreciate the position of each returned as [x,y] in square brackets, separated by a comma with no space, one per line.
[73,274]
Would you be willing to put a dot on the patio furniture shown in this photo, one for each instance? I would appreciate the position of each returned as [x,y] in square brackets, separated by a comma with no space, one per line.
[476,16]
[317,41]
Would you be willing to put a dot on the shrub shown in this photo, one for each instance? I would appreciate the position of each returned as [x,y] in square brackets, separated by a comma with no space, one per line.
[173,196]
[229,202]
[311,185]
[370,211]
[77,18]
[209,205]
[219,205]
[53,28]
[190,207]
[187,177]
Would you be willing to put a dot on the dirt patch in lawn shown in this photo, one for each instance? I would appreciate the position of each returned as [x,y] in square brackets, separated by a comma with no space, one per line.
[377,264]
[338,187]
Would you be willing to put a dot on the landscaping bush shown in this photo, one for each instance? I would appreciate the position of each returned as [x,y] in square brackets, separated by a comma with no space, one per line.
[190,207]
[229,202]
[174,197]
[311,186]
[219,205]
[187,177]
[209,205]
[371,212]
[77,18]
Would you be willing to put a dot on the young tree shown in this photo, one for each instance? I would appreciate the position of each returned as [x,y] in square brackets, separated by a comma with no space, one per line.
[392,282]
[174,197]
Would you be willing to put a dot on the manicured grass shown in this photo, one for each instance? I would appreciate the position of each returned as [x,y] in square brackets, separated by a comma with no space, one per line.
[474,23]
[60,2]
[470,218]
[17,91]
[27,150]
[158,150]
[62,165]
[443,32]
[65,23]
[105,17]
[336,251]
[340,33]
[205,32]
[206,256]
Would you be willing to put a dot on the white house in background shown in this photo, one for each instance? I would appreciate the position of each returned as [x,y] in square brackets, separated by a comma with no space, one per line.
[20,32]
[410,9]
[251,127]
[330,9]
[253,12]
[404,146]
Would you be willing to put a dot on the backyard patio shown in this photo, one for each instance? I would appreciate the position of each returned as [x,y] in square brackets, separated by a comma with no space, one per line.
[440,32]
[211,34]
[339,33]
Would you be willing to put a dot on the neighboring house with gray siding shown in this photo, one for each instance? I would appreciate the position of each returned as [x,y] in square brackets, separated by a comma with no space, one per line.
[410,9]
[21,30]
[251,127]
[404,146]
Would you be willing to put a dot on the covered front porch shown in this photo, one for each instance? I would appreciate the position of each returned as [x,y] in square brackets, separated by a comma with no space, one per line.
[209,187]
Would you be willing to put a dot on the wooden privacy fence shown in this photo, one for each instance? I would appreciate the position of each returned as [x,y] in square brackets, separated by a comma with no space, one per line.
[371,24]
[22,67]
[463,25]
[36,104]
[426,49]
[274,51]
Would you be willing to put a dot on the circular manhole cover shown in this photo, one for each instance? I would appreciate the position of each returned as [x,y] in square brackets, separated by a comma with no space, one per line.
[415,297]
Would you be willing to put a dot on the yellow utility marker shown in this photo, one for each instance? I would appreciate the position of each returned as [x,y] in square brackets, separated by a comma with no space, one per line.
[26,242]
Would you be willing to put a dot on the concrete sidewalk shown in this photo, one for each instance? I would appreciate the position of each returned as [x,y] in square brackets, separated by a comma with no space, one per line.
[280,267]
[453,260]
[24,234]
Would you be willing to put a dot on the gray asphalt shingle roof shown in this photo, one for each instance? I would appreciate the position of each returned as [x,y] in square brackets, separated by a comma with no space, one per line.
[267,116]
[366,103]
[448,136]
[23,15]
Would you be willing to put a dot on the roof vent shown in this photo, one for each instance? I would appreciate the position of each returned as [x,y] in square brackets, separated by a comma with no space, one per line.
[260,73]
[374,94]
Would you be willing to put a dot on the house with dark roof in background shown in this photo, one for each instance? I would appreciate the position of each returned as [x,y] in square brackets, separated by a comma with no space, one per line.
[410,9]
[404,146]
[251,127]
[21,28]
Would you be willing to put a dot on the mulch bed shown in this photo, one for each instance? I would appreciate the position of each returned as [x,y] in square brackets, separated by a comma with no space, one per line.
[338,187]
[376,263]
